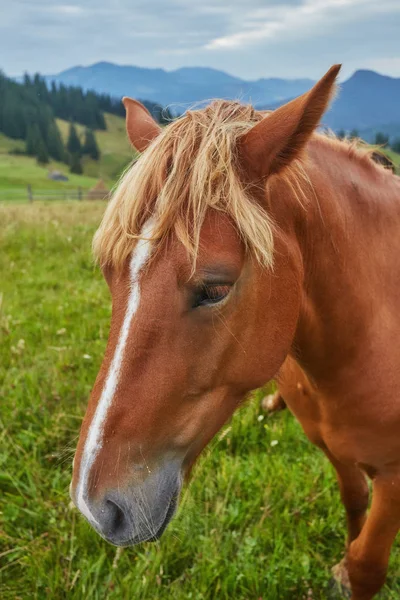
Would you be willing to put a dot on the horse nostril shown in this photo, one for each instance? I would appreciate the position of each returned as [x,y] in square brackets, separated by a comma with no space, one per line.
[115,521]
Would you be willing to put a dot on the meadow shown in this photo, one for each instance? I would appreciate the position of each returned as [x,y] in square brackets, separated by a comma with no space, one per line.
[261,518]
[17,171]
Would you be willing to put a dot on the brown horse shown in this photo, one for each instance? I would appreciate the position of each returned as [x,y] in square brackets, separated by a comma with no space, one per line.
[238,248]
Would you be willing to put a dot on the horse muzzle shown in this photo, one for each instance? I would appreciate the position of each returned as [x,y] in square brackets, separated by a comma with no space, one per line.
[134,513]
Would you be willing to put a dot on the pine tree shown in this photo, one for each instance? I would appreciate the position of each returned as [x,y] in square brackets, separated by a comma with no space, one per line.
[341,134]
[32,139]
[42,154]
[90,146]
[75,165]
[354,134]
[73,143]
[54,142]
[12,117]
[32,101]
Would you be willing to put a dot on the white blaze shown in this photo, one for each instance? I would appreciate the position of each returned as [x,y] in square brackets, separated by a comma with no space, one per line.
[93,441]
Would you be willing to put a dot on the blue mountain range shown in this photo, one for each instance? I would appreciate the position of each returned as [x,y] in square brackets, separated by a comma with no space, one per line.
[367,101]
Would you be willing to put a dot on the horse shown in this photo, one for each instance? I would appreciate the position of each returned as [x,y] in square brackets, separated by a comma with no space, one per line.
[243,247]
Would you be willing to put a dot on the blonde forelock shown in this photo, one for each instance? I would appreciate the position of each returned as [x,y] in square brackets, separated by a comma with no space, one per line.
[190,167]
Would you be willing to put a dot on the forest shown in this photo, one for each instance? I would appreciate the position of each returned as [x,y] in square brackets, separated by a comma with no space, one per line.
[29,109]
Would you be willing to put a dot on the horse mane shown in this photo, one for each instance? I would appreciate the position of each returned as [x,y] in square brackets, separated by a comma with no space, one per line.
[193,165]
[357,149]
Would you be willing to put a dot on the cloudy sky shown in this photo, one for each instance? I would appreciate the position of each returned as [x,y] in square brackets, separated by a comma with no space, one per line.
[248,38]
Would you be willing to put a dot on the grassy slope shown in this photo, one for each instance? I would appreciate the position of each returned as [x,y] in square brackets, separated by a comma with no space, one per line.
[16,171]
[7,144]
[116,151]
[258,520]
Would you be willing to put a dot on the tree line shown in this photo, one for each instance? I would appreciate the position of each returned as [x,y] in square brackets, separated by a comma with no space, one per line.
[71,154]
[68,103]
[31,101]
[85,107]
[28,111]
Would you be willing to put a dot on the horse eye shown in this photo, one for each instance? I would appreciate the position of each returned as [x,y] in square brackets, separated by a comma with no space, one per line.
[210,294]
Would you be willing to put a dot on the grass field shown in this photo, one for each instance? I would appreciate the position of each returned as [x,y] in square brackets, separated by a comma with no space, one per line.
[17,171]
[261,517]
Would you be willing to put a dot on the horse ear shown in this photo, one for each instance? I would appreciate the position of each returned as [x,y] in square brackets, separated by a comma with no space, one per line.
[276,140]
[140,125]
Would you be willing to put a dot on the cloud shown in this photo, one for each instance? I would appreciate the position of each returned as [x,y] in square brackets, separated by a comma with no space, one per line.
[289,20]
[255,38]
[391,63]
[67,9]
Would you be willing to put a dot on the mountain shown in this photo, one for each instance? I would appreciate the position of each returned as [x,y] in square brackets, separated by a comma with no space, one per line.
[368,102]
[181,87]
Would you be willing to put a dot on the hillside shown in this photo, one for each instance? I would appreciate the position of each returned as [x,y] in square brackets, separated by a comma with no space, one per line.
[180,87]
[17,171]
[116,152]
[34,114]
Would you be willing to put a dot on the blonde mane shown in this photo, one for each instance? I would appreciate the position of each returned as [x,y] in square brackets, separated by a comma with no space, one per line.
[190,167]
[193,165]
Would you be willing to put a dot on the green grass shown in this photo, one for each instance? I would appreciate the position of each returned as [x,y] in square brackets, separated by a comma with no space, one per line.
[7,144]
[18,171]
[259,520]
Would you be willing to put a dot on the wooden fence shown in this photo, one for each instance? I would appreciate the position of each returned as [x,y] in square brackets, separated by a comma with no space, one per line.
[30,194]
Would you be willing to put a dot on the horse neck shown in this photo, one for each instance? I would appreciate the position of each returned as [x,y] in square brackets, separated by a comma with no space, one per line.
[348,236]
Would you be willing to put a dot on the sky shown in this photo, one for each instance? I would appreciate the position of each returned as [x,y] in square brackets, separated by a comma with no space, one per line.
[247,38]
